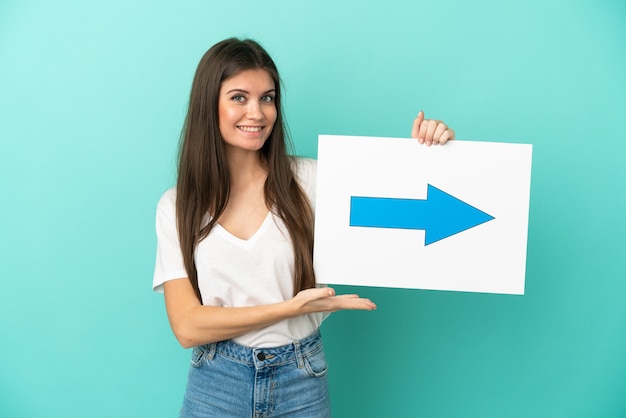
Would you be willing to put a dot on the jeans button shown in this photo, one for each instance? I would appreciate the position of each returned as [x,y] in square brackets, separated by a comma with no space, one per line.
[260,356]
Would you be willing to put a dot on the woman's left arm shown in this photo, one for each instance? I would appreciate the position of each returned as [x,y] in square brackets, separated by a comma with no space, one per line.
[430,131]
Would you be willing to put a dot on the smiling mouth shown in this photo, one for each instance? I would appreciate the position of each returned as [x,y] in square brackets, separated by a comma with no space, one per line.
[250,128]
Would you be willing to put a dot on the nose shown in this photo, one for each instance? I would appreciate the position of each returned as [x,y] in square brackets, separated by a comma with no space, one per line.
[253,110]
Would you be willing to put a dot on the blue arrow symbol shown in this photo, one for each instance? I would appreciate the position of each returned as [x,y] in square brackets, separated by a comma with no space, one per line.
[440,215]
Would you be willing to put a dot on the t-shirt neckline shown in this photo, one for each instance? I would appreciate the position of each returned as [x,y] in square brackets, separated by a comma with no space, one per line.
[244,242]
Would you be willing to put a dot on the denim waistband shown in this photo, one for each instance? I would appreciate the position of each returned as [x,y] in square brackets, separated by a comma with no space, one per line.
[263,357]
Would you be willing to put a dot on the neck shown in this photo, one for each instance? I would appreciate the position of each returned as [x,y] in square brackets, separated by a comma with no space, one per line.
[245,167]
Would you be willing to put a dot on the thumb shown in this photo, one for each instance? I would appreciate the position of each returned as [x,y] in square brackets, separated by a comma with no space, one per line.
[420,116]
[320,292]
[416,124]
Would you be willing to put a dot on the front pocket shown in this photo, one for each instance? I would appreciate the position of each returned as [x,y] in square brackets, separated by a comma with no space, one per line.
[315,363]
[197,357]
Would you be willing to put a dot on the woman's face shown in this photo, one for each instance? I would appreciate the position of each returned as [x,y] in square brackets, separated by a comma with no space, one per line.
[247,111]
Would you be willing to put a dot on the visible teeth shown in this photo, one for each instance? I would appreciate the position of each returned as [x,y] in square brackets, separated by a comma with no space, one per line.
[250,128]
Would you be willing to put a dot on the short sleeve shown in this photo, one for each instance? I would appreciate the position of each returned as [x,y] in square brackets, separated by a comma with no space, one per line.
[169,263]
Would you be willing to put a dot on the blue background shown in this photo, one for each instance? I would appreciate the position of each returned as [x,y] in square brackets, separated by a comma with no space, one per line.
[92,98]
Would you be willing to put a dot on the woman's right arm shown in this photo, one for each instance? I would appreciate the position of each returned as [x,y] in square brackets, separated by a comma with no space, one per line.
[195,324]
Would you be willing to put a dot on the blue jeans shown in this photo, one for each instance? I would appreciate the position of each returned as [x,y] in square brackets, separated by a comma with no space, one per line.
[229,380]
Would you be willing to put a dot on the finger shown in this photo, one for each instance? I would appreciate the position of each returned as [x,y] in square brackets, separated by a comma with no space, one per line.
[354,304]
[416,126]
[445,137]
[452,134]
[430,132]
[439,130]
[424,132]
[421,136]
[448,135]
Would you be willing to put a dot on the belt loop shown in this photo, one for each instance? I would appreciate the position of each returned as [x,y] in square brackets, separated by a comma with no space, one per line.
[298,353]
[210,353]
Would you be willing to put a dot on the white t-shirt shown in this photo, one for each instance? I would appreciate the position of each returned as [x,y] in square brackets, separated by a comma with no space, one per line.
[237,273]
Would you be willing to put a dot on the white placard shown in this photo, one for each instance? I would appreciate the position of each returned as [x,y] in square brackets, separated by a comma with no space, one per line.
[490,181]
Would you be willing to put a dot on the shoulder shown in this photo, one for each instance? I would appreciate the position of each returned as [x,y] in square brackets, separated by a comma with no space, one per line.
[167,202]
[305,170]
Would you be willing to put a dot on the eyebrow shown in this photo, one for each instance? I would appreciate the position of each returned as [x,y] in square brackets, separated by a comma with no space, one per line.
[247,92]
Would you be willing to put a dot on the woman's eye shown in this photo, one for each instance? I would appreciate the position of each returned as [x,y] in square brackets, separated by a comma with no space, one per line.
[238,98]
[267,99]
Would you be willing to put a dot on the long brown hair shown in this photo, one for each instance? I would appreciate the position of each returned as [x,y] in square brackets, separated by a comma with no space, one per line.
[203,185]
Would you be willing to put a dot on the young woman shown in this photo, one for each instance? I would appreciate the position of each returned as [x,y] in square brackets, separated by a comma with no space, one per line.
[235,244]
